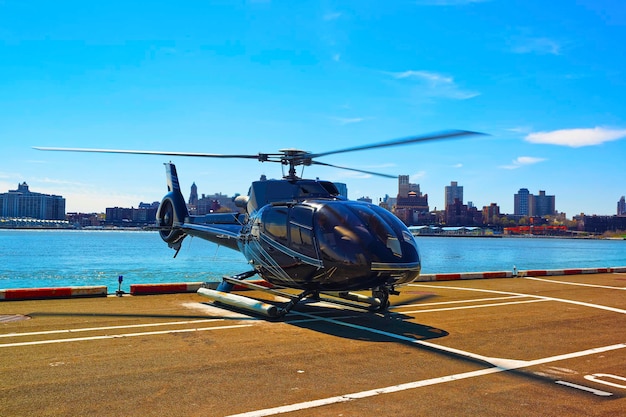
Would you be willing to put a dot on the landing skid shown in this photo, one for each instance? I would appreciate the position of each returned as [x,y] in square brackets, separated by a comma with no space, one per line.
[378,302]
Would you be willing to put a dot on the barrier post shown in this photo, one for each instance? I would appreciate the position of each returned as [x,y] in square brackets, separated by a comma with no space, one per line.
[119,291]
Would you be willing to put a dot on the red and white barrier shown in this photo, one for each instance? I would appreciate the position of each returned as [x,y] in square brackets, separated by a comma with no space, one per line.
[188,287]
[53,292]
[527,273]
[171,288]
[182,287]
[574,271]
[465,275]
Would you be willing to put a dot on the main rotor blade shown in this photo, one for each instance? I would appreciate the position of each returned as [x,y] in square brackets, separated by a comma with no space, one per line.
[165,153]
[403,141]
[354,169]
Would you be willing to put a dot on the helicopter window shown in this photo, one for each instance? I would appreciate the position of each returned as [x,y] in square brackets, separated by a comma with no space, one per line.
[301,230]
[302,240]
[373,222]
[275,223]
[302,216]
[341,234]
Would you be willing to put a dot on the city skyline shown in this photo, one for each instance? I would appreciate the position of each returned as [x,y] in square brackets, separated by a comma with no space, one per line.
[544,80]
[403,187]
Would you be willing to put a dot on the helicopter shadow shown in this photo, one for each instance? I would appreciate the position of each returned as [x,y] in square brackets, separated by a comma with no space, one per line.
[361,325]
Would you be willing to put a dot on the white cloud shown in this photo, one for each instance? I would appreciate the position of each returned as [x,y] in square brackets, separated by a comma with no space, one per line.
[414,178]
[54,181]
[4,176]
[519,129]
[577,138]
[432,84]
[348,120]
[425,75]
[542,46]
[521,161]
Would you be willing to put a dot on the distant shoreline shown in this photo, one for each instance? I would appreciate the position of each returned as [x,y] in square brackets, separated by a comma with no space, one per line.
[147,229]
[97,229]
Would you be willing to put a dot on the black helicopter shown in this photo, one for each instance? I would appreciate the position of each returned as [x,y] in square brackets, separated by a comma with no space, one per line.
[299,234]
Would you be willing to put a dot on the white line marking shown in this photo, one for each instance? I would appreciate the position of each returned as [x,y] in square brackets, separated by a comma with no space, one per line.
[584,388]
[93,329]
[467,307]
[575,283]
[458,301]
[561,300]
[598,378]
[363,394]
[118,336]
[501,365]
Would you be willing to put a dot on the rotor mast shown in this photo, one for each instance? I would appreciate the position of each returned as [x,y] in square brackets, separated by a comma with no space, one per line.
[293,158]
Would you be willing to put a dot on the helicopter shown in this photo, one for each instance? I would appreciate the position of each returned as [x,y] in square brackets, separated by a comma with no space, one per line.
[305,240]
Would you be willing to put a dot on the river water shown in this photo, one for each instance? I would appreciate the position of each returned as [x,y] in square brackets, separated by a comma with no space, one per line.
[56,258]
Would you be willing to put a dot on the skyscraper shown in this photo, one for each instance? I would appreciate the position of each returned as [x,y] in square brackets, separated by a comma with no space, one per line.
[405,187]
[542,204]
[621,207]
[410,203]
[453,191]
[193,197]
[527,204]
[521,205]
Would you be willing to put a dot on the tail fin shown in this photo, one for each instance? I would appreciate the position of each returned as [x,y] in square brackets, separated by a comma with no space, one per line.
[173,188]
[172,211]
[172,177]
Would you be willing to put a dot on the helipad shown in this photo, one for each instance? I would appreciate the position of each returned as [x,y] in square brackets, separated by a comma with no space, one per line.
[513,346]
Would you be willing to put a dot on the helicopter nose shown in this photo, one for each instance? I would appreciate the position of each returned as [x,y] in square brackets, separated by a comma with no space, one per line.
[366,234]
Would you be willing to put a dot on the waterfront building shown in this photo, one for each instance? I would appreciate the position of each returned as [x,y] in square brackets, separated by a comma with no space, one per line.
[521,202]
[143,215]
[542,205]
[621,207]
[453,191]
[527,204]
[600,224]
[215,203]
[25,203]
[80,220]
[405,187]
[365,199]
[459,214]
[411,205]
[491,214]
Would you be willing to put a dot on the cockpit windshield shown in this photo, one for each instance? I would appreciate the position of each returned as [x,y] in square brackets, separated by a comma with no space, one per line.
[356,232]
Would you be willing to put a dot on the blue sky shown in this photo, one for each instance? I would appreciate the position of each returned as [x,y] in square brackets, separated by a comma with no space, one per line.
[544,79]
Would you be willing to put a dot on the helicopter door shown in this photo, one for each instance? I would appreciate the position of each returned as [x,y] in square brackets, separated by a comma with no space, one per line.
[291,228]
[274,221]
[301,231]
